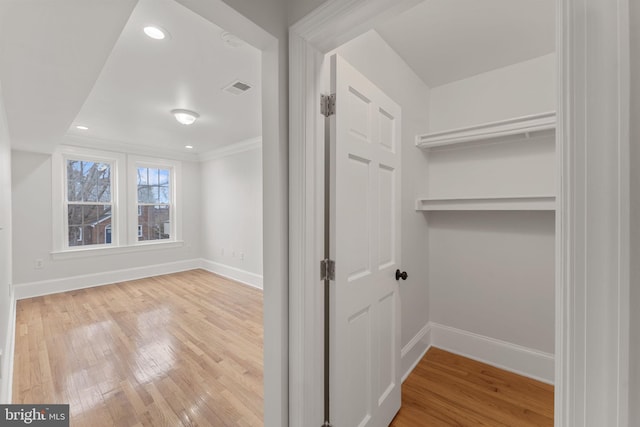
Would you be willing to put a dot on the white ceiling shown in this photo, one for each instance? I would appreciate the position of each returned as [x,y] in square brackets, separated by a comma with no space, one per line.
[92,65]
[449,40]
[144,79]
[69,62]
[50,55]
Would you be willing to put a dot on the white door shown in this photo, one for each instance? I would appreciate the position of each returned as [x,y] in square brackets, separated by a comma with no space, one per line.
[365,243]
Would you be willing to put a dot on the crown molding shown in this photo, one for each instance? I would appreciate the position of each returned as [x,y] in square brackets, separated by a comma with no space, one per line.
[228,150]
[127,147]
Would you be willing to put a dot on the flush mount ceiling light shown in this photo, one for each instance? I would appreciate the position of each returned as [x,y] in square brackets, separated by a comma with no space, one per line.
[155,33]
[185,117]
[188,147]
[80,127]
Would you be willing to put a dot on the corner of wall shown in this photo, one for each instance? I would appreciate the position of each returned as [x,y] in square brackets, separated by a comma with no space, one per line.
[414,351]
[510,357]
[501,354]
[233,273]
[6,367]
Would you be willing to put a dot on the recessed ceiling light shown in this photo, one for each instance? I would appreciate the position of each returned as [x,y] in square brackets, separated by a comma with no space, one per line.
[80,127]
[156,33]
[186,117]
[188,147]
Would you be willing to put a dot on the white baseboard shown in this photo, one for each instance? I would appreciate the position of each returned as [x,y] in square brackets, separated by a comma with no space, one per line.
[414,351]
[233,273]
[6,381]
[53,286]
[511,357]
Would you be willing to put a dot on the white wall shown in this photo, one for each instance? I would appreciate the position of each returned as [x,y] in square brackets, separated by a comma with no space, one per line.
[231,197]
[517,90]
[371,55]
[634,356]
[493,273]
[32,228]
[271,15]
[6,303]
[521,168]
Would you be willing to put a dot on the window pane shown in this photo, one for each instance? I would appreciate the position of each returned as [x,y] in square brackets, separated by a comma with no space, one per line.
[153,185]
[88,181]
[89,224]
[163,194]
[143,176]
[75,215]
[164,177]
[153,176]
[144,195]
[89,214]
[155,223]
[104,188]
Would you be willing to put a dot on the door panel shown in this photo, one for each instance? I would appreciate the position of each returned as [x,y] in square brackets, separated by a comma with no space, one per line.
[387,130]
[360,367]
[357,217]
[365,243]
[386,351]
[386,206]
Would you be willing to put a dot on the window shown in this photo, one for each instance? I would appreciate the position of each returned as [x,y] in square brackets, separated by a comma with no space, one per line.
[154,203]
[88,202]
[103,201]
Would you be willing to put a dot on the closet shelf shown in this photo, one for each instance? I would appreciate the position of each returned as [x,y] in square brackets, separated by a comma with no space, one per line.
[519,203]
[521,126]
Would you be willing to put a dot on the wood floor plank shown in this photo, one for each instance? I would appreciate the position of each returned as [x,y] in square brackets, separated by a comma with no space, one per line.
[182,350]
[450,390]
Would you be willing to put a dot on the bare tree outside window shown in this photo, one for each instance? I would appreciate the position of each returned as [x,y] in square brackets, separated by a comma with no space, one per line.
[154,203]
[89,204]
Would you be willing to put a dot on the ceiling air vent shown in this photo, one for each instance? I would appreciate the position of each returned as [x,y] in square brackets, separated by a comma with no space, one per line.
[237,87]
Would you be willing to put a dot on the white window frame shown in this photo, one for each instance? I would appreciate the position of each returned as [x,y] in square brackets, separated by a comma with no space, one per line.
[175,211]
[59,196]
[124,203]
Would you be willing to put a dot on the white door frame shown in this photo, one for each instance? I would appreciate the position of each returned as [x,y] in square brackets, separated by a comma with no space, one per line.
[274,181]
[592,217]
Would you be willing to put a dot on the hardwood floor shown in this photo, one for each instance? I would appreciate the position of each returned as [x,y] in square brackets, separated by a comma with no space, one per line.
[183,349]
[450,390]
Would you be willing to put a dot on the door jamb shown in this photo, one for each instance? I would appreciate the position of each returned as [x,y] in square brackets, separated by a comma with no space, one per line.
[274,182]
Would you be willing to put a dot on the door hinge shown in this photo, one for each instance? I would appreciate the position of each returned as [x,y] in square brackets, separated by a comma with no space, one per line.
[328,105]
[327,269]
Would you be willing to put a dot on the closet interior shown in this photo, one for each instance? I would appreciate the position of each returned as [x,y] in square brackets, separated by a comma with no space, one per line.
[476,84]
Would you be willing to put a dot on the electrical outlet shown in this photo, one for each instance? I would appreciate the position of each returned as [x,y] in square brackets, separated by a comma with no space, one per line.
[233,254]
[39,263]
[241,256]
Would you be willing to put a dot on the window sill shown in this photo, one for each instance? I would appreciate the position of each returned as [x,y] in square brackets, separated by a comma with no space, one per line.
[115,250]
